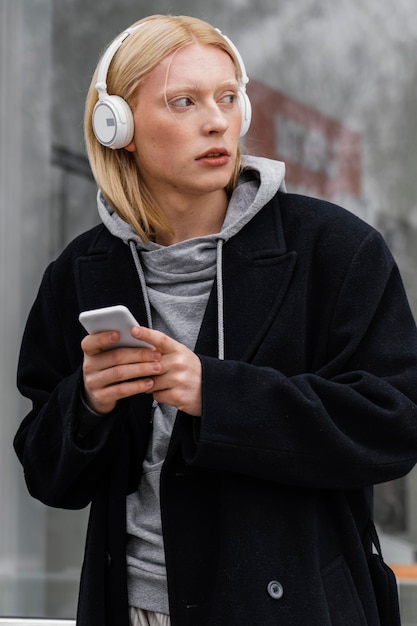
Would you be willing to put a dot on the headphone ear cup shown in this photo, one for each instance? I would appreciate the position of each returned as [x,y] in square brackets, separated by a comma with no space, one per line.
[113,123]
[246,110]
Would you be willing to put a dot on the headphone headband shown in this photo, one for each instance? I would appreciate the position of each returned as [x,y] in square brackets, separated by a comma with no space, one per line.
[103,69]
[243,75]
[112,117]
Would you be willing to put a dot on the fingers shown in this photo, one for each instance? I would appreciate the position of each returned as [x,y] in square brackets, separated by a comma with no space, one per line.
[111,375]
[94,344]
[179,382]
[170,371]
[113,369]
[104,399]
[159,340]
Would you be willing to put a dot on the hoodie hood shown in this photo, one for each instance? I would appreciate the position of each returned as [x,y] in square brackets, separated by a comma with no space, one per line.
[258,182]
[176,280]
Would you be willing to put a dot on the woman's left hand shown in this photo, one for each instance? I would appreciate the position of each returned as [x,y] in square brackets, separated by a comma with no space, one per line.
[179,381]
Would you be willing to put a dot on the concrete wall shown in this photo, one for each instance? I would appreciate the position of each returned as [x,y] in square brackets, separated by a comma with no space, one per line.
[25,144]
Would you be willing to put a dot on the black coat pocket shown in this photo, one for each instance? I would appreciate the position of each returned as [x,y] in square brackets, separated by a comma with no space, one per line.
[343,602]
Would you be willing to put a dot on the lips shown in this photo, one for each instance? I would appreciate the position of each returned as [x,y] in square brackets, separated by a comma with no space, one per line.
[214,153]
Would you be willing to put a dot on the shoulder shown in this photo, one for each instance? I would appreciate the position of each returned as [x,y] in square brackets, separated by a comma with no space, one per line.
[96,244]
[330,237]
[312,221]
[92,241]
[318,213]
[97,241]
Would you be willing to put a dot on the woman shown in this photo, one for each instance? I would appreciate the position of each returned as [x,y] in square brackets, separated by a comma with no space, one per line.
[227,466]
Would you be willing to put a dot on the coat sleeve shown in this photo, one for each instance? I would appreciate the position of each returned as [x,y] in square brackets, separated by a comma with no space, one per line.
[62,469]
[350,422]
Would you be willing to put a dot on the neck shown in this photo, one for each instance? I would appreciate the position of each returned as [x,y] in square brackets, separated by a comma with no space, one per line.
[194,217]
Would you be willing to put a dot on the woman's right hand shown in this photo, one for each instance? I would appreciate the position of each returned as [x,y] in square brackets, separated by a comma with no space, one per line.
[110,375]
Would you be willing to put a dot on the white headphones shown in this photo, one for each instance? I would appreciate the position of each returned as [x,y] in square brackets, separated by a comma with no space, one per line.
[112,117]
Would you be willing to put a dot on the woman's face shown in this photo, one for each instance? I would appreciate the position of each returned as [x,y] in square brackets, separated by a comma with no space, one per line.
[187,124]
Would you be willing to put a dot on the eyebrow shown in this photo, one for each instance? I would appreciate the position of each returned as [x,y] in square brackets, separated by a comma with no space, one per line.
[195,86]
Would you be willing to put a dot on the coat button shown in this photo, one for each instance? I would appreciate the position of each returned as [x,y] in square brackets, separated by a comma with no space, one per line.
[275,589]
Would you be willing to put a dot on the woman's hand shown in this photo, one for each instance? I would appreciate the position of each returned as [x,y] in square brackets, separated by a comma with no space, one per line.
[170,371]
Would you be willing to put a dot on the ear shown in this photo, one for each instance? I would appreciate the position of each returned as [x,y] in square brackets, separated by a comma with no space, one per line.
[131,147]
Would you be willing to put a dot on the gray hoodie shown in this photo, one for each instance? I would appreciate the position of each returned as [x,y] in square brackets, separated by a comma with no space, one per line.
[176,282]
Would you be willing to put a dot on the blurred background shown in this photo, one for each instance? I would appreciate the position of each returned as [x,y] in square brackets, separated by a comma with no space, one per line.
[333,87]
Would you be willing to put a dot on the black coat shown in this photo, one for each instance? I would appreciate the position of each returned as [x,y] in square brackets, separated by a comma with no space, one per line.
[314,402]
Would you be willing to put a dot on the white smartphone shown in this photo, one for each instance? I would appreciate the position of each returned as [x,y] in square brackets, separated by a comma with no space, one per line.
[113,318]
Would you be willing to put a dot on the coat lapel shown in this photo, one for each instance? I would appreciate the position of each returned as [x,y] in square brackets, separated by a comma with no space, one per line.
[257,270]
[107,276]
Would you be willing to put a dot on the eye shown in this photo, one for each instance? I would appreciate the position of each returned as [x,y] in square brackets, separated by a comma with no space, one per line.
[182,102]
[229,98]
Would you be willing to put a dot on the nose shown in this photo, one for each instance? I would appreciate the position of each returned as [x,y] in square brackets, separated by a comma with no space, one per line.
[214,120]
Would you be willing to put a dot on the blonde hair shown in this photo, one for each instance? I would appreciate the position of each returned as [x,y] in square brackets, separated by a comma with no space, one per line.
[115,171]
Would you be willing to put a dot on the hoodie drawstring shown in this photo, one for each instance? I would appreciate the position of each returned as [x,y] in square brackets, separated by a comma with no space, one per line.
[220,305]
[219,276]
[142,280]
